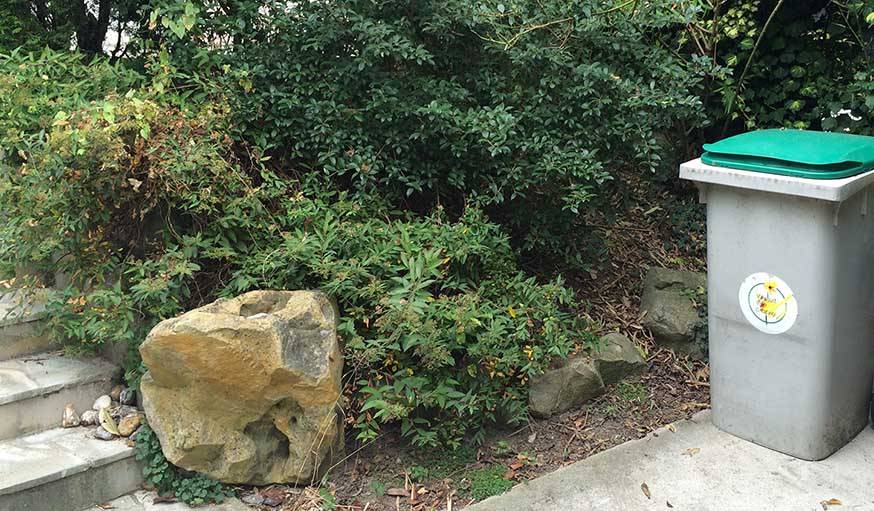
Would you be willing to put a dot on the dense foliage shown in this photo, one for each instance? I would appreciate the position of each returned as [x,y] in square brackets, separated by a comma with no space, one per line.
[521,108]
[141,199]
[786,64]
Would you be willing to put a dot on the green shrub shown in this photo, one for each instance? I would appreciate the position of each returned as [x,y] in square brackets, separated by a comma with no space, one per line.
[523,107]
[148,207]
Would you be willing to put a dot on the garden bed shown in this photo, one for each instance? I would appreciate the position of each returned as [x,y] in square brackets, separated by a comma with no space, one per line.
[387,474]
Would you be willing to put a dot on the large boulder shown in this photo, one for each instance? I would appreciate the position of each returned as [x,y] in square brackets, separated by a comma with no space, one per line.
[617,357]
[246,390]
[565,386]
[671,315]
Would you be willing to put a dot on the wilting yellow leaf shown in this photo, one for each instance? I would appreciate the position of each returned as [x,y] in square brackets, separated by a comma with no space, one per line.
[108,422]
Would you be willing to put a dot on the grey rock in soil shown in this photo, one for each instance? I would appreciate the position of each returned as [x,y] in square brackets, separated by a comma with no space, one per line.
[70,418]
[253,499]
[671,315]
[102,434]
[617,358]
[270,501]
[573,382]
[89,418]
[102,402]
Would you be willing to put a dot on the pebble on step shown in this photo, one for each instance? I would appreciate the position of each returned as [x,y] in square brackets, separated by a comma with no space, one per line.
[102,402]
[127,396]
[102,434]
[70,418]
[115,393]
[89,418]
[129,424]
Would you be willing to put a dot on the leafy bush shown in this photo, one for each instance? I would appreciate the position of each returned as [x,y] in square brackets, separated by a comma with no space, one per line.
[522,107]
[193,489]
[140,198]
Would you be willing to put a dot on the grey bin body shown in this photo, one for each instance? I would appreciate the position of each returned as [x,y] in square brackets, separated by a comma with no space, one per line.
[806,391]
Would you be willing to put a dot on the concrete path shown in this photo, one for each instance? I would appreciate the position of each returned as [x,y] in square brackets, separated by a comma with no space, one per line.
[699,468]
[144,501]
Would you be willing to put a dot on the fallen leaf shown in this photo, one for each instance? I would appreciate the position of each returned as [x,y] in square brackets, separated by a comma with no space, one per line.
[108,422]
[159,499]
[671,428]
[830,502]
[645,489]
[692,451]
[532,437]
[397,492]
[668,502]
[516,465]
[510,475]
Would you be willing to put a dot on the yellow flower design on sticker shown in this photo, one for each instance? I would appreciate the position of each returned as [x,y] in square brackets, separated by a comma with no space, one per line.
[771,307]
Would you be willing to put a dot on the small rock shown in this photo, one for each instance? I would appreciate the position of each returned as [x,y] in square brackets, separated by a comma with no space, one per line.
[115,393]
[70,419]
[272,502]
[671,315]
[89,418]
[133,435]
[573,382]
[127,410]
[121,411]
[127,397]
[102,402]
[618,357]
[129,424]
[253,499]
[102,434]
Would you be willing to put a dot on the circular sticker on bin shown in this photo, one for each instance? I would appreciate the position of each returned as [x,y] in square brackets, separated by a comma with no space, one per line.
[768,303]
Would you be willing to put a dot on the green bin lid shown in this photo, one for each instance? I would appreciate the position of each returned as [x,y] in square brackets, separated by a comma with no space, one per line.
[797,153]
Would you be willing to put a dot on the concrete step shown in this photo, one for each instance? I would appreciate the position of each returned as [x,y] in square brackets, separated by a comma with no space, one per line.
[34,390]
[65,470]
[22,322]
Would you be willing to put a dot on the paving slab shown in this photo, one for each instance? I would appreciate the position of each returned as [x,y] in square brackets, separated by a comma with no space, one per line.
[145,501]
[699,468]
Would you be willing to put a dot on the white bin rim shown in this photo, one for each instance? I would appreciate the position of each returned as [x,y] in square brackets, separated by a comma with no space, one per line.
[832,190]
